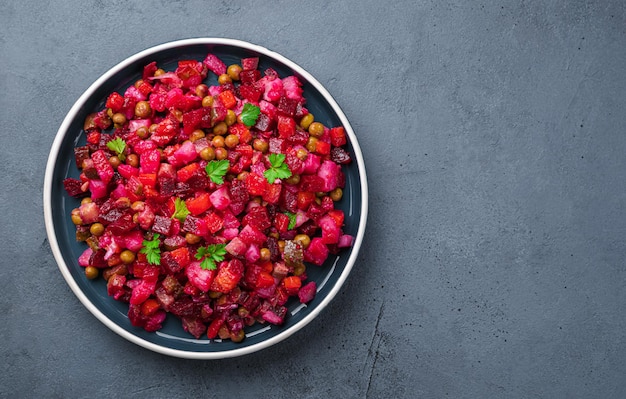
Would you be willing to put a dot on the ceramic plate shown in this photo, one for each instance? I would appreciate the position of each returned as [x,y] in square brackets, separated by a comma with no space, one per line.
[172,339]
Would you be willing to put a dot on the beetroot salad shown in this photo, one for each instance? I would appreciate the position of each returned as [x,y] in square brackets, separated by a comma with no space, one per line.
[209,201]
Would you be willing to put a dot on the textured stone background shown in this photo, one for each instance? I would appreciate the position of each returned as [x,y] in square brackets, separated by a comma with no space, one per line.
[493,264]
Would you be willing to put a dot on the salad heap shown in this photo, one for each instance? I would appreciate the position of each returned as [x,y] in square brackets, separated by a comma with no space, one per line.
[208,202]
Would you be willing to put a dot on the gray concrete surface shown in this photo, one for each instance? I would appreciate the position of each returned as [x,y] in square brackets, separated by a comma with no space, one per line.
[493,265]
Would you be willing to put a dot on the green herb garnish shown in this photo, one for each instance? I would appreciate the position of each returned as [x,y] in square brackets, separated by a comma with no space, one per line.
[292,220]
[181,210]
[152,250]
[119,146]
[250,114]
[278,168]
[216,170]
[211,254]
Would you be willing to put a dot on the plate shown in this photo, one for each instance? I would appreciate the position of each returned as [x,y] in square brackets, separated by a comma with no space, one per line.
[172,339]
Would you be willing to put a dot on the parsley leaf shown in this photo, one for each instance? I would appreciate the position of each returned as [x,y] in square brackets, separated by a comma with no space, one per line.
[211,254]
[292,220]
[119,146]
[152,250]
[278,168]
[250,114]
[181,210]
[216,170]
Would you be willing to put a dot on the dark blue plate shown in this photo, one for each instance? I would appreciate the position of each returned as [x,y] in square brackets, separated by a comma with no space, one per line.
[172,339]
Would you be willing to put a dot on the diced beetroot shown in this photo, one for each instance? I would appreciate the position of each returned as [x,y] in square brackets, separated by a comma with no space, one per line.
[239,196]
[83,259]
[301,110]
[220,198]
[287,106]
[258,218]
[272,317]
[256,184]
[194,326]
[345,241]
[273,90]
[340,156]
[307,292]
[277,145]
[102,120]
[296,166]
[122,225]
[230,233]
[119,192]
[183,155]
[80,155]
[191,72]
[330,231]
[298,139]
[329,172]
[102,165]
[250,63]
[115,286]
[286,127]
[253,253]
[115,101]
[144,145]
[98,189]
[149,70]
[268,109]
[281,222]
[199,277]
[214,64]
[251,235]
[167,186]
[133,240]
[174,242]
[213,222]
[169,79]
[126,171]
[134,93]
[249,76]
[317,252]
[146,218]
[74,187]
[149,161]
[264,123]
[166,130]
[170,264]
[157,101]
[250,92]
[311,164]
[162,225]
[289,199]
[236,247]
[142,292]
[154,322]
[196,119]
[230,220]
[218,112]
[194,225]
[292,87]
